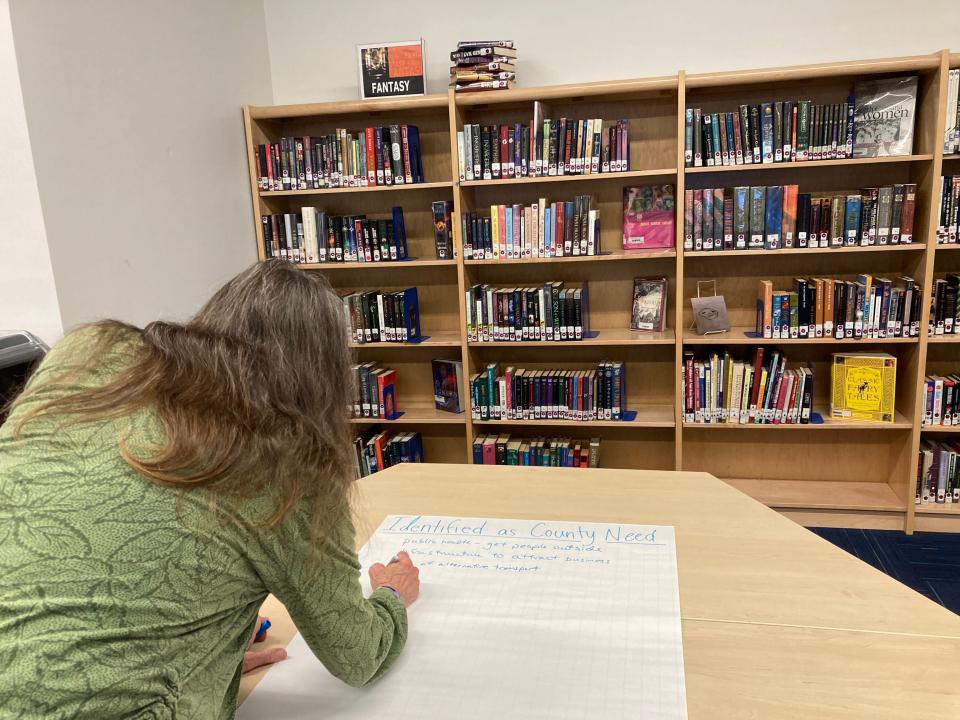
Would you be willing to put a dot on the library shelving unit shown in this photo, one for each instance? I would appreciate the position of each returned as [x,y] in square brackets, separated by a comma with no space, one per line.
[835,473]
[942,351]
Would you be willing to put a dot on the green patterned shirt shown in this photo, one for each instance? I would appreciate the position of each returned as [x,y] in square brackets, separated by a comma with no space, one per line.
[117,603]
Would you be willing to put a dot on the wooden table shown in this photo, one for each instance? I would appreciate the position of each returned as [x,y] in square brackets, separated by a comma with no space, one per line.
[777,623]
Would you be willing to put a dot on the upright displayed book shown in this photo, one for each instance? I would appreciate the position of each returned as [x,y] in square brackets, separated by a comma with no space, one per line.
[649,309]
[863,387]
[649,217]
[884,117]
[483,65]
[447,385]
[443,229]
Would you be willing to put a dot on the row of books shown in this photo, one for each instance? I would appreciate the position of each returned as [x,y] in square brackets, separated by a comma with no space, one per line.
[540,230]
[482,65]
[545,147]
[527,394]
[375,391]
[315,236]
[549,312]
[379,449]
[951,134]
[369,157]
[949,217]
[944,306]
[941,400]
[382,316]
[877,120]
[777,216]
[538,451]
[771,132]
[938,473]
[866,307]
[762,391]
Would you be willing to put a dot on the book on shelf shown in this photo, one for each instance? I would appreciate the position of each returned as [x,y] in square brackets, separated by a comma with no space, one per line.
[649,217]
[863,386]
[769,132]
[949,210]
[941,400]
[938,473]
[540,230]
[443,229]
[552,311]
[649,309]
[482,65]
[943,305]
[375,392]
[447,384]
[382,316]
[951,133]
[504,449]
[369,157]
[884,116]
[772,217]
[542,394]
[757,390]
[544,147]
[315,236]
[377,449]
[866,307]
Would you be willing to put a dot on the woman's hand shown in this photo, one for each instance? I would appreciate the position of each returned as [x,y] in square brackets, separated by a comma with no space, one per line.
[400,574]
[253,659]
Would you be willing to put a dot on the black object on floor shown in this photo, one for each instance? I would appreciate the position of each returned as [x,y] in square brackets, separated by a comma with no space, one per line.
[928,562]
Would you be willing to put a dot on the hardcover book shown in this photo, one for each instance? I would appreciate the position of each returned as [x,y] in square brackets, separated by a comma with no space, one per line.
[649,217]
[863,386]
[649,304]
[884,116]
[447,381]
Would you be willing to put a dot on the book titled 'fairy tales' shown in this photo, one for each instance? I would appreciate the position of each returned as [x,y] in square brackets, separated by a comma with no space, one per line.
[863,387]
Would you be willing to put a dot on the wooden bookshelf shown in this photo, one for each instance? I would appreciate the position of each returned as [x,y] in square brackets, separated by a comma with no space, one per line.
[834,473]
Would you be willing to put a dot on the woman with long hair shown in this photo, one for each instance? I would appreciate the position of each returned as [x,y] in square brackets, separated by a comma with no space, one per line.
[156,484]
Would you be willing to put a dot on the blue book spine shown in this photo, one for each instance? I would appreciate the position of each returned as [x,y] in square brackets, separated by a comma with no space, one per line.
[731,147]
[399,233]
[776,315]
[547,232]
[766,132]
[478,451]
[851,220]
[411,314]
[774,217]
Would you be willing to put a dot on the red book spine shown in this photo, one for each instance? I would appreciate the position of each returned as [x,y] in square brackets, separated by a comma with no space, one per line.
[781,400]
[269,158]
[559,227]
[504,147]
[737,143]
[624,146]
[909,210]
[371,146]
[407,167]
[689,399]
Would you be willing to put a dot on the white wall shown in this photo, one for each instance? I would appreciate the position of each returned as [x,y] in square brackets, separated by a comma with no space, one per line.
[134,110]
[561,41]
[28,298]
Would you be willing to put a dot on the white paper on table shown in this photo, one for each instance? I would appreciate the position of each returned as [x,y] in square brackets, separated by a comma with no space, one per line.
[516,619]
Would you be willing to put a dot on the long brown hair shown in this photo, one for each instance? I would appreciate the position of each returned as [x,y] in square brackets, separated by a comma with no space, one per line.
[251,393]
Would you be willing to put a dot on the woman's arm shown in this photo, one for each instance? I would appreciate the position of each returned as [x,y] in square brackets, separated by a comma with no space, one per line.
[356,638]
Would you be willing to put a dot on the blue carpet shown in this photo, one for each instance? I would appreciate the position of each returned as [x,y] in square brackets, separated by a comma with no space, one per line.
[928,562]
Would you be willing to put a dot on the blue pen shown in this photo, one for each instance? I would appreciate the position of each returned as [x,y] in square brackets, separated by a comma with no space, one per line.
[264,626]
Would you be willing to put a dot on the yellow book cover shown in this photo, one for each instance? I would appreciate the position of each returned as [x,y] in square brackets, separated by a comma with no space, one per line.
[863,386]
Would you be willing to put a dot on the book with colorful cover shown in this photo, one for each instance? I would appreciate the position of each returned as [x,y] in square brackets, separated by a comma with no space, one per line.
[648,312]
[447,382]
[649,217]
[863,387]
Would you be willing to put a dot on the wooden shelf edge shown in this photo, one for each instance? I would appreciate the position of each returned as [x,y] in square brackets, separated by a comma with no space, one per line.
[932,429]
[900,422]
[568,91]
[410,187]
[605,337]
[348,107]
[847,162]
[389,265]
[944,339]
[737,336]
[416,415]
[440,338]
[820,494]
[698,254]
[938,509]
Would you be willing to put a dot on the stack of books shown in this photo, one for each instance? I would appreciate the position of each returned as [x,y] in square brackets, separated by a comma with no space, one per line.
[480,65]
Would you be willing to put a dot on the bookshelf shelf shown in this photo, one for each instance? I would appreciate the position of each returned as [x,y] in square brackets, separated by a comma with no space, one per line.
[614,256]
[606,337]
[442,338]
[938,509]
[373,266]
[860,473]
[649,416]
[915,247]
[592,178]
[820,494]
[417,415]
[900,422]
[412,187]
[852,162]
[737,336]
[939,429]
